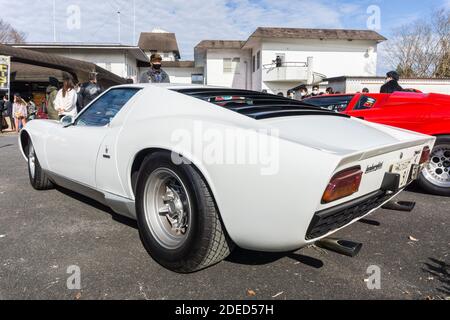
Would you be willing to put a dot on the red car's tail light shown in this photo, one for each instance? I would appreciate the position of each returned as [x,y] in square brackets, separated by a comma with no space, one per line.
[343,184]
[426,153]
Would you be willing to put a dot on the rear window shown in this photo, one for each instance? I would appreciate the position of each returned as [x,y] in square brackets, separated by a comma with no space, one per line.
[333,103]
[365,103]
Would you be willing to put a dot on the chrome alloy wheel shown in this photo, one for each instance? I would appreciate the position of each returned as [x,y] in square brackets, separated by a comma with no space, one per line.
[438,170]
[32,161]
[167,209]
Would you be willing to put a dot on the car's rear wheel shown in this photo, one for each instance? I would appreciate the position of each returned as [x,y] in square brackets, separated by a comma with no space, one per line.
[177,216]
[38,178]
[435,178]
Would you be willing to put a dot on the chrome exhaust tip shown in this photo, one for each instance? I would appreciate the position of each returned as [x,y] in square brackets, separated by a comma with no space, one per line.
[344,247]
[405,206]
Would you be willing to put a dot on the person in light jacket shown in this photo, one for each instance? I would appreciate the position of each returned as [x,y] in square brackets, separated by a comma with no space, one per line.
[19,110]
[66,98]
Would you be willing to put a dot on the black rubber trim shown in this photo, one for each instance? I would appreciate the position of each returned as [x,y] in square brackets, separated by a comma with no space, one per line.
[334,218]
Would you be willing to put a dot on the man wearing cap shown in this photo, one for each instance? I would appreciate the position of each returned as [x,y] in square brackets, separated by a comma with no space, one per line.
[391,84]
[155,74]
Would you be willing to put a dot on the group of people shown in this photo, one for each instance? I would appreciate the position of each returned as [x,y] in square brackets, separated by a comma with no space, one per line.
[16,112]
[301,92]
[71,98]
[68,100]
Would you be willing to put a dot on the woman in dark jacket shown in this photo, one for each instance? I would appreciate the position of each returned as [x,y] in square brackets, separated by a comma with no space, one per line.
[391,84]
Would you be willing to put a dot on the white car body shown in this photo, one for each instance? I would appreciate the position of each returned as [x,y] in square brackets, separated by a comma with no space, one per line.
[259,212]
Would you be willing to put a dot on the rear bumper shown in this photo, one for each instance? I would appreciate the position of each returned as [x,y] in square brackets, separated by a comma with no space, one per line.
[337,217]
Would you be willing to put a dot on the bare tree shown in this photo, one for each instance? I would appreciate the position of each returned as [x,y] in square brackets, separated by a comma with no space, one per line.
[8,34]
[421,48]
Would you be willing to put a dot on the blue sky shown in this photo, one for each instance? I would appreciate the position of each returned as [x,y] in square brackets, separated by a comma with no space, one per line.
[196,20]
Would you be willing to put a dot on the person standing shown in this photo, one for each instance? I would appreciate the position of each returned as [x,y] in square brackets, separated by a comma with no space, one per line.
[315,91]
[365,90]
[156,74]
[329,90]
[8,113]
[89,91]
[19,111]
[2,111]
[52,91]
[302,93]
[391,85]
[278,62]
[66,98]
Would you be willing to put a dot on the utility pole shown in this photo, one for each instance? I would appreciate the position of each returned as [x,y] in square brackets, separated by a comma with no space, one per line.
[134,22]
[54,20]
[118,15]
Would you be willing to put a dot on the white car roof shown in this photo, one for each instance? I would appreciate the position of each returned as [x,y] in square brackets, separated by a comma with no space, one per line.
[167,86]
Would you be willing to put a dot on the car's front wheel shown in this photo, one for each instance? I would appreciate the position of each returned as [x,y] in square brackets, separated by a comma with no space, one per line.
[178,220]
[38,178]
[435,178]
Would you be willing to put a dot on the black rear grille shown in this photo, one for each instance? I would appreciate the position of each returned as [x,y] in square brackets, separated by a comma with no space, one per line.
[334,218]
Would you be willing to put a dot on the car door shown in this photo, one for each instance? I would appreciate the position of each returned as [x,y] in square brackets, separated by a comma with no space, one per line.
[73,151]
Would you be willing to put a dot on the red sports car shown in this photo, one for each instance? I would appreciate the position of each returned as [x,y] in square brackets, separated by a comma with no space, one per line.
[420,112]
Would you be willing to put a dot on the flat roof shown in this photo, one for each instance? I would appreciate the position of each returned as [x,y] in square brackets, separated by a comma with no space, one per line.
[136,51]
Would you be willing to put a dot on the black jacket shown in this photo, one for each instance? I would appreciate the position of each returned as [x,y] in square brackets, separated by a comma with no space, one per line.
[88,92]
[390,87]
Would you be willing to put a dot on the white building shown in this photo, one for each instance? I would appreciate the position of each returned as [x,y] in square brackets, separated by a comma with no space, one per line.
[118,59]
[308,56]
[347,84]
[165,44]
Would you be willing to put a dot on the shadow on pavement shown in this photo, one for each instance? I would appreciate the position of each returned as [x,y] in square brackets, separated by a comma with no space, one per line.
[247,257]
[441,271]
[116,217]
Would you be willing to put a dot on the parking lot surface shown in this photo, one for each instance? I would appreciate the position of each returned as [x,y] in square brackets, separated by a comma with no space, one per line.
[42,234]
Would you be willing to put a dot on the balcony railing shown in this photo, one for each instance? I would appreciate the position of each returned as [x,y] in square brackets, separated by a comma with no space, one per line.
[287,71]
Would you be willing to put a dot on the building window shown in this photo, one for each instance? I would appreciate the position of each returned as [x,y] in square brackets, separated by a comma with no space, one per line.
[258,60]
[227,65]
[231,65]
[254,64]
[197,79]
[236,63]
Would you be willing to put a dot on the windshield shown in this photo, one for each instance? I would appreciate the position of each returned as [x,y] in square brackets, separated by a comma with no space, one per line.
[333,103]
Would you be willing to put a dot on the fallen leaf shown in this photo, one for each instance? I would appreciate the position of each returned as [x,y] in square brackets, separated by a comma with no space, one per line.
[278,294]
[413,239]
[2,235]
[430,278]
[251,293]
[78,296]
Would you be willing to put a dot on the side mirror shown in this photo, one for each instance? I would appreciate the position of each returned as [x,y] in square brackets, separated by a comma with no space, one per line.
[67,121]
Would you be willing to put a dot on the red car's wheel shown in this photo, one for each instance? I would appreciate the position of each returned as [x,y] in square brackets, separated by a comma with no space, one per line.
[435,178]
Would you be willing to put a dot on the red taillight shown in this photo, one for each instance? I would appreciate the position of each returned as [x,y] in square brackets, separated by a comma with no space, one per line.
[343,184]
[426,153]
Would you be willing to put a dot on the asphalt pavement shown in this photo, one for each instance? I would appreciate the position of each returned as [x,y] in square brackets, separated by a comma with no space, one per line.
[44,234]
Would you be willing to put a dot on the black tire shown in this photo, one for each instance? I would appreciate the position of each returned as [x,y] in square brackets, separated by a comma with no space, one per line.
[427,184]
[38,179]
[206,241]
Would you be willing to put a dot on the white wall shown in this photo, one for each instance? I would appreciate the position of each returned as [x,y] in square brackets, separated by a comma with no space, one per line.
[215,74]
[257,84]
[182,75]
[331,57]
[112,60]
[374,85]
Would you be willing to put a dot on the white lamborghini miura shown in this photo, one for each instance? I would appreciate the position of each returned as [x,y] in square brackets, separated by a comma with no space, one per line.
[161,154]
